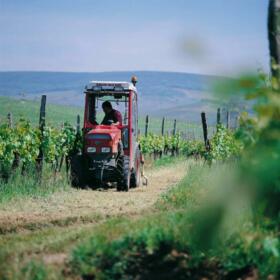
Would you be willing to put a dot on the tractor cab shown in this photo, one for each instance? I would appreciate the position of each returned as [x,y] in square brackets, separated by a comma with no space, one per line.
[111,152]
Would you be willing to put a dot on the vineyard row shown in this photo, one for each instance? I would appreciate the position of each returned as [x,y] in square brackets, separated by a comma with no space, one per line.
[23,145]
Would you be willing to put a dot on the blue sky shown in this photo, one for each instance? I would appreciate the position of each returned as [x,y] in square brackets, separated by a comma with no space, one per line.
[211,37]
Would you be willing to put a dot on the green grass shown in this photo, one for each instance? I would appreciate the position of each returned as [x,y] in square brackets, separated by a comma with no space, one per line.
[29,185]
[168,160]
[56,115]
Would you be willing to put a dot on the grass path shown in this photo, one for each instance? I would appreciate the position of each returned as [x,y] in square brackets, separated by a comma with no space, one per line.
[82,206]
[47,228]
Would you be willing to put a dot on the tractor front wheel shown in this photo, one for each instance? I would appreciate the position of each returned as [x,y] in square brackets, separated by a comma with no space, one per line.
[124,174]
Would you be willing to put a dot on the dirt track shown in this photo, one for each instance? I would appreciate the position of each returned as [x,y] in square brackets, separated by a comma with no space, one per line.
[86,206]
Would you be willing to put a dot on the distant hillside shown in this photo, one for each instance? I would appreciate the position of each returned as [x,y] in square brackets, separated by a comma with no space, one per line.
[176,95]
[29,110]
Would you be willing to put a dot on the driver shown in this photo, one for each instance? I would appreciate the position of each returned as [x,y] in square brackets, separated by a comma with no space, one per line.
[112,116]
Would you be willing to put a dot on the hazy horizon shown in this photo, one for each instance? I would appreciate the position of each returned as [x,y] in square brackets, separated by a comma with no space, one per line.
[116,71]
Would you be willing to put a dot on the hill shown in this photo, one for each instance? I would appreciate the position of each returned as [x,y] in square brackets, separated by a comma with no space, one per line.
[27,109]
[175,95]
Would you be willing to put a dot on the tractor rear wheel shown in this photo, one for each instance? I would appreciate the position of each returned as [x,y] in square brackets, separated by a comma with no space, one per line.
[77,172]
[124,174]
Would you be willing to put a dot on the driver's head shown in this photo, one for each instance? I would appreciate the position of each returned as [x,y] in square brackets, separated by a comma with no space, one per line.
[107,107]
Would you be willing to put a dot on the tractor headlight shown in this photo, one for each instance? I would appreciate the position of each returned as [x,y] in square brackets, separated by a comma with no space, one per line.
[91,150]
[105,150]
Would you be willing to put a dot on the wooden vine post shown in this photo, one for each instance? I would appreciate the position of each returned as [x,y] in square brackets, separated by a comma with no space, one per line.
[15,163]
[218,117]
[228,119]
[174,149]
[78,126]
[10,120]
[174,127]
[146,125]
[205,131]
[162,126]
[42,123]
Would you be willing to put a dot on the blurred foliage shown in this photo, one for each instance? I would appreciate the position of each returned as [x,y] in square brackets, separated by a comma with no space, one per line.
[260,134]
[34,271]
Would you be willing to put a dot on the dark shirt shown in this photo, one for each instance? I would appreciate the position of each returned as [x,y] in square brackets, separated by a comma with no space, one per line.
[113,117]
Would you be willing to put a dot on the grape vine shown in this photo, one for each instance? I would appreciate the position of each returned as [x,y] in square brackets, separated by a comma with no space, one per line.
[23,143]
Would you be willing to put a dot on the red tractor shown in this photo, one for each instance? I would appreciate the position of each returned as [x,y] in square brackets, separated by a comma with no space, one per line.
[111,152]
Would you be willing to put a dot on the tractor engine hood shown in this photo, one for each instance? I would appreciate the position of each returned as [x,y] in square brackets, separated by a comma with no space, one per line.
[104,136]
[110,130]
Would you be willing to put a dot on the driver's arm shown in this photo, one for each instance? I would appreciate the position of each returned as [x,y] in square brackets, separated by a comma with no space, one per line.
[118,117]
[116,123]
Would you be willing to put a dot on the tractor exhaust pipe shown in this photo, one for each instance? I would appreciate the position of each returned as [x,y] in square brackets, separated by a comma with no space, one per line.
[134,80]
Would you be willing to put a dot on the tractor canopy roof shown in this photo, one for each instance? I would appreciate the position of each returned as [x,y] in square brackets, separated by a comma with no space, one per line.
[109,86]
